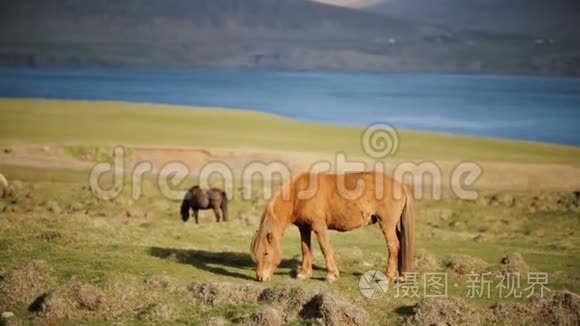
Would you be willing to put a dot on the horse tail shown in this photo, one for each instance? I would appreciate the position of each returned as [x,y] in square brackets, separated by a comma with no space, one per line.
[407,233]
[4,185]
[224,206]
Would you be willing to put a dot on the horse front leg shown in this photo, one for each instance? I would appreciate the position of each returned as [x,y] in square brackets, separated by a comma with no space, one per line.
[196,216]
[305,235]
[217,215]
[324,242]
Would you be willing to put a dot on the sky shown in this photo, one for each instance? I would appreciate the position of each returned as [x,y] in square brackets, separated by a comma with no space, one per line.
[558,19]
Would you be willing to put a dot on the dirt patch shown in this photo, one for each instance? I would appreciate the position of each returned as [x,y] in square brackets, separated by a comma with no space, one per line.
[292,299]
[157,312]
[24,284]
[121,298]
[544,201]
[264,317]
[49,236]
[16,191]
[557,308]
[71,300]
[332,310]
[53,207]
[160,283]
[444,311]
[464,264]
[45,156]
[135,213]
[325,308]
[426,262]
[134,297]
[224,293]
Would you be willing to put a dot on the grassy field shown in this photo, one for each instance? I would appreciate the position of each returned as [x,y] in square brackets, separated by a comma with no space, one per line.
[69,257]
[85,123]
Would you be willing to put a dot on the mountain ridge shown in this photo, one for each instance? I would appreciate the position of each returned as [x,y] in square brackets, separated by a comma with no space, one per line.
[264,34]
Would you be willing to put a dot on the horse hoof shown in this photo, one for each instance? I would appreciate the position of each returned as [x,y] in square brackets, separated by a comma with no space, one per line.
[301,276]
[331,277]
[395,280]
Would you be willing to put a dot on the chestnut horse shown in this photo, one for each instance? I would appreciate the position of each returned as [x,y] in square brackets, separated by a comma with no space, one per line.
[320,202]
[197,198]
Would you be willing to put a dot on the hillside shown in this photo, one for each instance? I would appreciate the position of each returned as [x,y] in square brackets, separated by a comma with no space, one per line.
[557,19]
[281,34]
[53,121]
[68,255]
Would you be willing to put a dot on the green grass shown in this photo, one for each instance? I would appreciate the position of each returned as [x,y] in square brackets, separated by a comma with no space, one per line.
[104,245]
[88,123]
[98,244]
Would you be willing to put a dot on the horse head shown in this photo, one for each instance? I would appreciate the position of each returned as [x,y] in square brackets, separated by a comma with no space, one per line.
[266,249]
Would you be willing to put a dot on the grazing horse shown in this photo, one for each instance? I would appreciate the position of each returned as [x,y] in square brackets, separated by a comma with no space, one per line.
[320,202]
[197,198]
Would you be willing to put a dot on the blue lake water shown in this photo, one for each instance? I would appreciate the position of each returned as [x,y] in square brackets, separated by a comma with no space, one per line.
[543,109]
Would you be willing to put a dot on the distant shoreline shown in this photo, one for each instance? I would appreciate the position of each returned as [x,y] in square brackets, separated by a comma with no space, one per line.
[497,106]
[114,122]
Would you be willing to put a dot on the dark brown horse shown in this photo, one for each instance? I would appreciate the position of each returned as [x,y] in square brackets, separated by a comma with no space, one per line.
[197,198]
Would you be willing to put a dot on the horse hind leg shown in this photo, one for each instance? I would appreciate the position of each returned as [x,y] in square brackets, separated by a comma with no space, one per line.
[196,216]
[389,228]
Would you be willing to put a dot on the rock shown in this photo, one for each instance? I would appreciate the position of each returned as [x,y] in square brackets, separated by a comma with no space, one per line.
[7,315]
[7,319]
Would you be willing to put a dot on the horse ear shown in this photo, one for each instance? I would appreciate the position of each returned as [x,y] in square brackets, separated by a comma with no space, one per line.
[270,237]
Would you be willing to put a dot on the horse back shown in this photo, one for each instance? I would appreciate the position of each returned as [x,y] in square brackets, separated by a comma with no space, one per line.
[340,201]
